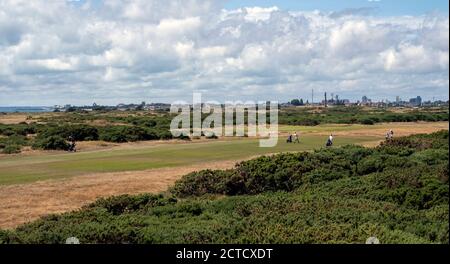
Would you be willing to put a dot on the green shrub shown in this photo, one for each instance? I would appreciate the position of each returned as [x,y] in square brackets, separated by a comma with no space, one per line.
[126,134]
[355,114]
[14,139]
[288,171]
[11,149]
[51,143]
[367,121]
[117,205]
[203,182]
[76,132]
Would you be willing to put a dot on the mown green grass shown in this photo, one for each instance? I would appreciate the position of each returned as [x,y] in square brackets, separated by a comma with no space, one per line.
[25,169]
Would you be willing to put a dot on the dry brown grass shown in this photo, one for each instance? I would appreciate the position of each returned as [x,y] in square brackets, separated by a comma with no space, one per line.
[13,118]
[26,202]
[400,129]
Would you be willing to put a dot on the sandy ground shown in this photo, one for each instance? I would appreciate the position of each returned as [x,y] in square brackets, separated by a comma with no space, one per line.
[13,118]
[26,202]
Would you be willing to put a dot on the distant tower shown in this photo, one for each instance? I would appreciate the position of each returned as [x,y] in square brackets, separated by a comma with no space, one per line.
[326,99]
[312,96]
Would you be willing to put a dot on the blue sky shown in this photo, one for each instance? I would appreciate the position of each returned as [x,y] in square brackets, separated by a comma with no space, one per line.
[384,7]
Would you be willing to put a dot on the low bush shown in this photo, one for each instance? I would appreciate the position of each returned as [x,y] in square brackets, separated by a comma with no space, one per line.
[204,182]
[11,149]
[355,114]
[13,144]
[51,143]
[126,134]
[22,129]
[367,121]
[288,171]
[75,132]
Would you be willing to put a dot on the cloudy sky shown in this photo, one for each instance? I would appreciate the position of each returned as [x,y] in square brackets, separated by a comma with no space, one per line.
[108,52]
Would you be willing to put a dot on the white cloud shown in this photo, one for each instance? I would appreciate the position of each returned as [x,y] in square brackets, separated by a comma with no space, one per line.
[54,52]
[415,59]
[256,14]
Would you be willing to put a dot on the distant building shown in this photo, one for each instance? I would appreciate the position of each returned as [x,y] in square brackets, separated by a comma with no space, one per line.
[365,101]
[415,101]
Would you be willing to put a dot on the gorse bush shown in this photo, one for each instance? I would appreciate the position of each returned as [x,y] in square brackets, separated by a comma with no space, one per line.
[11,149]
[13,144]
[126,134]
[206,181]
[397,192]
[22,129]
[51,143]
[282,172]
[76,132]
[122,204]
[286,172]
[357,115]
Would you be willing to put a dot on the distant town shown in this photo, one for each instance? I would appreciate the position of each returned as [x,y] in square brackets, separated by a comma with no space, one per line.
[328,100]
[334,100]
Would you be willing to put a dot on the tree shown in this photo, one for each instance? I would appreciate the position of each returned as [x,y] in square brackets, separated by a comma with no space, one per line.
[301,102]
[295,102]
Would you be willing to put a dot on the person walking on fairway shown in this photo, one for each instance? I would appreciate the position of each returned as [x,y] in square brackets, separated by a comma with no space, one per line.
[330,141]
[389,135]
[296,140]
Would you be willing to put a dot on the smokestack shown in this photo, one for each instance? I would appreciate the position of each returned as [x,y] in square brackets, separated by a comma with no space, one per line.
[325,99]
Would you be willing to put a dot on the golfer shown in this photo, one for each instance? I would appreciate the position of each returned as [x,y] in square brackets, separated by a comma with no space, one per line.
[296,140]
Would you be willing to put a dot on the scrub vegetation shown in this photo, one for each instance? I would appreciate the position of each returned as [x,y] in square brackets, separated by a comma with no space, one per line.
[397,192]
[50,132]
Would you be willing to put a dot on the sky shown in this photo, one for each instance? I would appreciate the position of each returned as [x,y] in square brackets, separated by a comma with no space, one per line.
[55,52]
[383,7]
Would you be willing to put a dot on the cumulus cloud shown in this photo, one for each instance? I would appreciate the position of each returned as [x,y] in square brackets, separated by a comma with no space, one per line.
[58,51]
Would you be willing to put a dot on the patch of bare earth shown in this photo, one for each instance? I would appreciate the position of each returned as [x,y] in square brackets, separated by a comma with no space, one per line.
[13,118]
[26,202]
